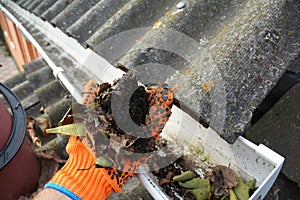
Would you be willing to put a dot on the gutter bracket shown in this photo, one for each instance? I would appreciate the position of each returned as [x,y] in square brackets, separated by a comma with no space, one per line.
[56,71]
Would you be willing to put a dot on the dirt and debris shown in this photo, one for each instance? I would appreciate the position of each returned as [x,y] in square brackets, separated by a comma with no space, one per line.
[115,128]
[111,139]
[182,180]
[223,179]
[36,129]
[36,140]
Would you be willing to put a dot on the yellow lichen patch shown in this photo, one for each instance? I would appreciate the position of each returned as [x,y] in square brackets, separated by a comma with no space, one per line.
[208,85]
[157,24]
[190,73]
[168,12]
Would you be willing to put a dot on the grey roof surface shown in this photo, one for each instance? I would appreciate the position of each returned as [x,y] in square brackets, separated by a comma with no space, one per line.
[35,86]
[231,55]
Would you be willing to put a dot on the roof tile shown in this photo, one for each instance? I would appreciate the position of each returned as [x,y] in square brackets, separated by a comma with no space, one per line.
[55,9]
[94,18]
[41,8]
[72,13]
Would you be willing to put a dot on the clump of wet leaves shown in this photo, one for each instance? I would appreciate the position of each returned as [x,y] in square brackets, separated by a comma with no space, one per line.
[104,127]
[221,183]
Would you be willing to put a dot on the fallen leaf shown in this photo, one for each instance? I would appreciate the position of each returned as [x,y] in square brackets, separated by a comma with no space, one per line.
[185,176]
[201,193]
[68,118]
[241,190]
[103,162]
[195,183]
[223,179]
[251,184]
[163,181]
[30,127]
[43,123]
[76,129]
[232,195]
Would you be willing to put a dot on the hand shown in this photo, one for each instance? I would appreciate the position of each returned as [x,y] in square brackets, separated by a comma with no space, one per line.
[78,180]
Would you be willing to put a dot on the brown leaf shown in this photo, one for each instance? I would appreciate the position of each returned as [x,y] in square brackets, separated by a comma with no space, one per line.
[30,126]
[223,179]
[163,181]
[43,124]
[30,123]
[170,175]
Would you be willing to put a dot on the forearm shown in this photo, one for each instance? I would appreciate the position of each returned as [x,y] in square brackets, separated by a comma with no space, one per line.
[50,194]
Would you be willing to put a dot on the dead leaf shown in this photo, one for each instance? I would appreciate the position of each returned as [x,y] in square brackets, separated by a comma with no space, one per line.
[43,123]
[241,190]
[223,179]
[76,129]
[185,176]
[37,141]
[167,179]
[163,181]
[30,124]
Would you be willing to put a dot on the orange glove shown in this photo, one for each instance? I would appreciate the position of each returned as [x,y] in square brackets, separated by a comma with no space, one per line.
[78,180]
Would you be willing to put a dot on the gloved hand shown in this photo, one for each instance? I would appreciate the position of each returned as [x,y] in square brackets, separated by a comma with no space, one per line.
[80,179]
[77,179]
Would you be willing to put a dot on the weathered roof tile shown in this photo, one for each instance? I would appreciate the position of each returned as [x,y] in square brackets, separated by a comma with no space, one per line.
[55,9]
[94,18]
[31,5]
[41,8]
[72,13]
[23,2]
[135,14]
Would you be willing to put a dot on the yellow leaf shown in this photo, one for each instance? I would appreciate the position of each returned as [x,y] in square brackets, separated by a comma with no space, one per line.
[77,129]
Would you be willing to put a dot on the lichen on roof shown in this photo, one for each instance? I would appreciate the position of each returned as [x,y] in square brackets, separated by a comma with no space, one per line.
[235,51]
